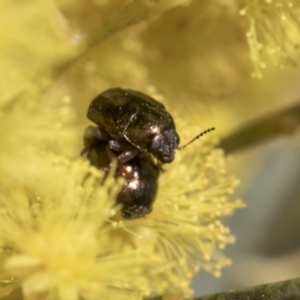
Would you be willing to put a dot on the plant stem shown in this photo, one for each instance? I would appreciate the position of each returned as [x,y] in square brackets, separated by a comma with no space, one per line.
[283,290]
[269,126]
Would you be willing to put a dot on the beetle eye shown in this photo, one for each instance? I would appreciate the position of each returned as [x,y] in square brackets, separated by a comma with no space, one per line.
[155,144]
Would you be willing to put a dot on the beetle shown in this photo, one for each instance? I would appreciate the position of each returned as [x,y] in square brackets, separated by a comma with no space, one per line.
[131,127]
[135,122]
[141,179]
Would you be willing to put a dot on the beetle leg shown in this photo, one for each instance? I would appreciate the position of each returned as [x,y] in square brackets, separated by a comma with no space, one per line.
[127,150]
[111,155]
[119,145]
[92,136]
[128,155]
[98,157]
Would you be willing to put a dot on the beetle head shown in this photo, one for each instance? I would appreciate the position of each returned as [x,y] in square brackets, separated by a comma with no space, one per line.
[164,144]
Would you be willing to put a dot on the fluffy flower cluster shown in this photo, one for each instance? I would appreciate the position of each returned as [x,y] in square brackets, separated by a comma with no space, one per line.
[62,235]
[273,30]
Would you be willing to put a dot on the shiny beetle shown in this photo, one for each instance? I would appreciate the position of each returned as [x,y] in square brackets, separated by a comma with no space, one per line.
[133,122]
[130,127]
[141,179]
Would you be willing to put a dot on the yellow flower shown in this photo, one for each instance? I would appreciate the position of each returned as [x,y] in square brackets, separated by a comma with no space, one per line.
[58,232]
[61,234]
[272,33]
[66,236]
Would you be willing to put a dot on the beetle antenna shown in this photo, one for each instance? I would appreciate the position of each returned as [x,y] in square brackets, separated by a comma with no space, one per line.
[196,137]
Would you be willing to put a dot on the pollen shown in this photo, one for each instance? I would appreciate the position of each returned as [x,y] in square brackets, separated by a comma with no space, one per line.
[62,235]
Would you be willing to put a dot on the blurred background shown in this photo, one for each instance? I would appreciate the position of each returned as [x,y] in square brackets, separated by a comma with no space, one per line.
[227,64]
